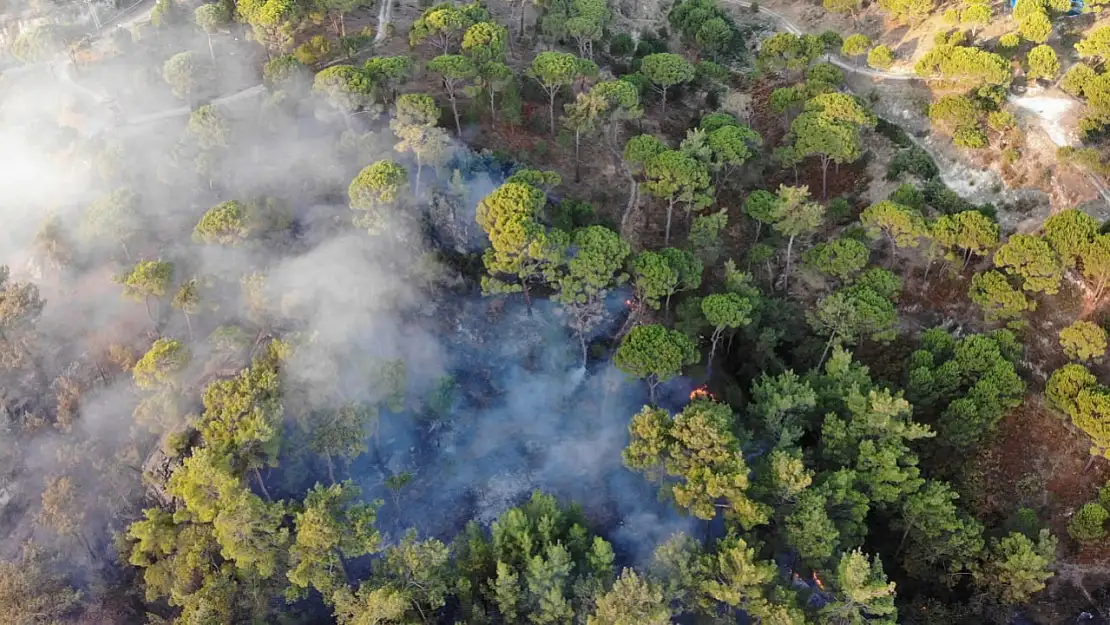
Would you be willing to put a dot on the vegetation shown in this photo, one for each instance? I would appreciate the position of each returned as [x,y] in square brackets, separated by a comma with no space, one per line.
[390,373]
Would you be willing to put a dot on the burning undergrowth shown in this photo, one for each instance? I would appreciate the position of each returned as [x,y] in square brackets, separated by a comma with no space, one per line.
[524,415]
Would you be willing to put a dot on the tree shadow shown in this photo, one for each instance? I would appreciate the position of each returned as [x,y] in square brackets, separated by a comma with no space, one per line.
[907,49]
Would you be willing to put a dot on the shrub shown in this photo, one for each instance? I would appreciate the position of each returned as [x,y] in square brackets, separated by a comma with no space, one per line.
[914,161]
[881,57]
[622,45]
[971,137]
[908,195]
[319,49]
[1087,524]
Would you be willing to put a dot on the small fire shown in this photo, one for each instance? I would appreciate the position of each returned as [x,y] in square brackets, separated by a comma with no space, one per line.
[628,303]
[701,392]
[817,580]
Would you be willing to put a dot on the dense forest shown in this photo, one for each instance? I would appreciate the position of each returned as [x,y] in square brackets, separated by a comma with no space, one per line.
[566,312]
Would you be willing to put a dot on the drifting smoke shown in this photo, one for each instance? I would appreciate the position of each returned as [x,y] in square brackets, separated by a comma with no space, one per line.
[525,414]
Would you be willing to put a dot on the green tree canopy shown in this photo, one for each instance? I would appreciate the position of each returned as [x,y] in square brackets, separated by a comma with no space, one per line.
[666,70]
[521,249]
[376,188]
[1032,259]
[1016,568]
[1041,62]
[655,354]
[696,458]
[1070,232]
[1084,341]
[999,300]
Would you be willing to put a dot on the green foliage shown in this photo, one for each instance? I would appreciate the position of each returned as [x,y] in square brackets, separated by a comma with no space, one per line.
[539,565]
[161,365]
[830,129]
[853,313]
[209,127]
[715,36]
[860,591]
[1095,263]
[795,215]
[284,72]
[554,71]
[1041,62]
[1075,391]
[443,24]
[1096,45]
[212,17]
[1078,79]
[521,248]
[224,224]
[977,15]
[666,70]
[790,52]
[1083,341]
[936,532]
[726,311]
[955,112]
[148,278]
[970,231]
[873,437]
[1035,27]
[915,161]
[345,87]
[999,300]
[677,178]
[901,225]
[782,404]
[1070,232]
[654,354]
[485,42]
[705,236]
[970,384]
[186,73]
[881,57]
[633,600]
[810,531]
[1032,259]
[962,65]
[841,258]
[374,190]
[909,196]
[39,43]
[1089,523]
[333,525]
[855,45]
[1016,568]
[696,458]
[842,6]
[1064,385]
[318,49]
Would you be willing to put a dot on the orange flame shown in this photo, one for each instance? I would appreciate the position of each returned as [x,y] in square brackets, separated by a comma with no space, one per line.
[701,392]
[817,580]
[628,303]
